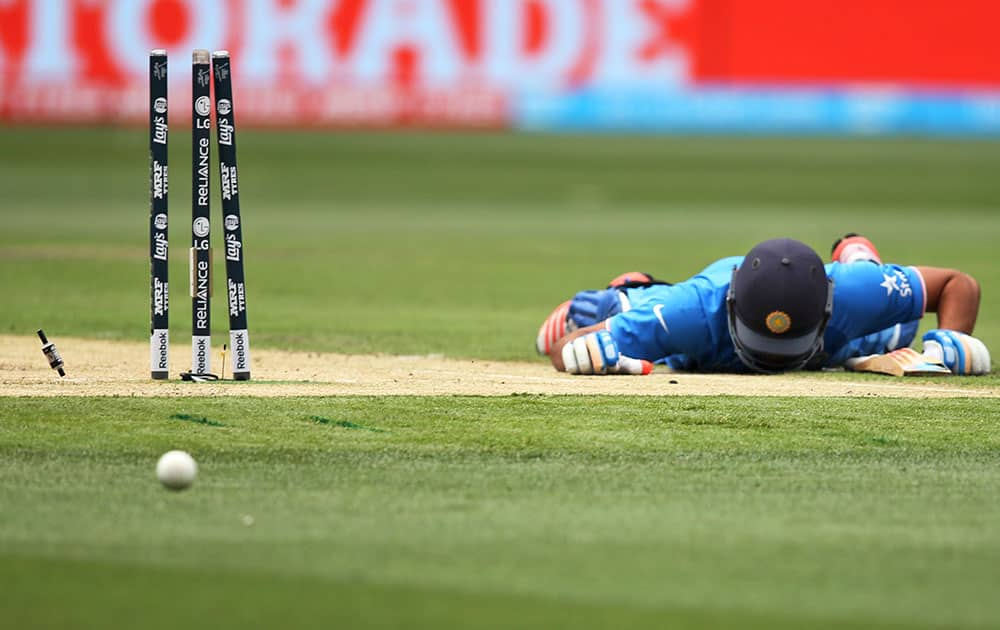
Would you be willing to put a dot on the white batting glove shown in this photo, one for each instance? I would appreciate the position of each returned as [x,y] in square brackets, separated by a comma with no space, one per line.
[961,353]
[597,353]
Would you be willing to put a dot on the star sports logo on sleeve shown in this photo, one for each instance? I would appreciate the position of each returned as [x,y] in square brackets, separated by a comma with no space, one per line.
[896,281]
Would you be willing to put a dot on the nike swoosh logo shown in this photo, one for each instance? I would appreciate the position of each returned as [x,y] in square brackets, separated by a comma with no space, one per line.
[657,310]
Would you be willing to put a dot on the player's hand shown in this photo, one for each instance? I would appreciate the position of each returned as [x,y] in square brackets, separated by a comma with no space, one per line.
[597,353]
[961,353]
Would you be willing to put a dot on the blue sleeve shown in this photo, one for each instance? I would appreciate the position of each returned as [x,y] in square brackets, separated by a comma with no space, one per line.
[869,298]
[720,272]
[669,320]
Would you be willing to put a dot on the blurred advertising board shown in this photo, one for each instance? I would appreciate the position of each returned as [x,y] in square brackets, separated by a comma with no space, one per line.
[852,66]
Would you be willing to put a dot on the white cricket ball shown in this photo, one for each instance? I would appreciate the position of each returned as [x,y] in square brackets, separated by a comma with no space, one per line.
[176,470]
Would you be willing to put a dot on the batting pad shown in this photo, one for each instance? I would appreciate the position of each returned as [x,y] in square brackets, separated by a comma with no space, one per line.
[901,362]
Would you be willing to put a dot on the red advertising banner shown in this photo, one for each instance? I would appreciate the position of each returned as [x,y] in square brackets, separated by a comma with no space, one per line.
[470,62]
[915,43]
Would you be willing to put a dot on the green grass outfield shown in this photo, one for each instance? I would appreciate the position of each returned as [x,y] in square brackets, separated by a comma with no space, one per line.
[486,512]
[502,512]
[461,244]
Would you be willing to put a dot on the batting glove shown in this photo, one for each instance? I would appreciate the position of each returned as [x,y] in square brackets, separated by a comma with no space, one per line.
[556,326]
[961,353]
[585,309]
[632,279]
[597,353]
[854,248]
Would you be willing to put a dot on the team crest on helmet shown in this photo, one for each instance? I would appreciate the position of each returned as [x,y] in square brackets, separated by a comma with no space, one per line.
[778,322]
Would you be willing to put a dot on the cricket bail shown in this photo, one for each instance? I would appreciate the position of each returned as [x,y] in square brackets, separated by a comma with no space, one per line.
[50,352]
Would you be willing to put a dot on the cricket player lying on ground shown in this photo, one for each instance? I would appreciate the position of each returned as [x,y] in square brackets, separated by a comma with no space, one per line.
[777,309]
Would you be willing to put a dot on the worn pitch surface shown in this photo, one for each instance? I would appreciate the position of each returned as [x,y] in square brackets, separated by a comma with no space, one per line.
[118,368]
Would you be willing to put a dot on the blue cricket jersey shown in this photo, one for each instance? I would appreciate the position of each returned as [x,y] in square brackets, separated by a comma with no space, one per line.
[685,325]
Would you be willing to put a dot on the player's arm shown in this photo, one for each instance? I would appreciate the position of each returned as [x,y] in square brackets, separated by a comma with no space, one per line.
[592,350]
[953,295]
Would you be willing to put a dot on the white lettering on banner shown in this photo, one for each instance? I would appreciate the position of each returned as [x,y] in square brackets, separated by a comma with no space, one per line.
[273,26]
[129,24]
[507,63]
[641,46]
[618,34]
[422,24]
[338,62]
[50,55]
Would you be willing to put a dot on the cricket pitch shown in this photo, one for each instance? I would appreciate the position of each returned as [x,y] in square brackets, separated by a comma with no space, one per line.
[121,368]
